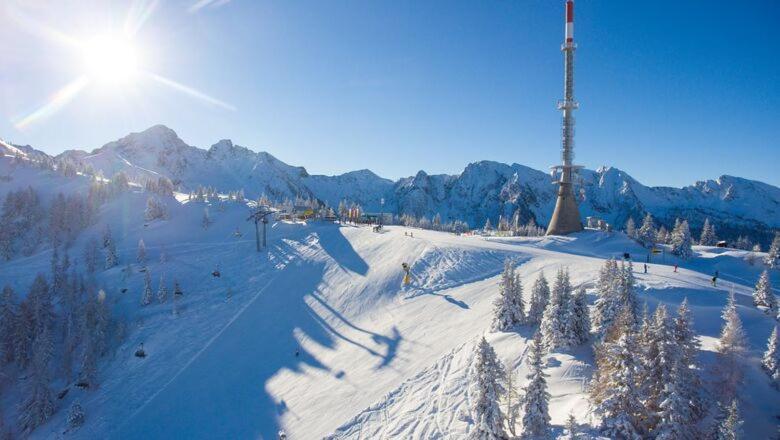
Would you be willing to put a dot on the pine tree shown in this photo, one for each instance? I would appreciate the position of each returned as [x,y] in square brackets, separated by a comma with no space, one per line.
[731,351]
[488,227]
[38,401]
[572,429]
[162,291]
[773,255]
[141,256]
[662,355]
[608,303]
[690,383]
[536,400]
[647,235]
[75,415]
[663,235]
[763,295]
[24,332]
[631,228]
[578,318]
[708,237]
[8,321]
[681,240]
[146,298]
[730,428]
[553,326]
[613,389]
[110,249]
[91,253]
[674,417]
[627,286]
[488,420]
[540,296]
[508,306]
[771,360]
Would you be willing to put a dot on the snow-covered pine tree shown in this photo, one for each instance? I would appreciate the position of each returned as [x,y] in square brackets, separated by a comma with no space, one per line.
[743,243]
[763,295]
[729,369]
[91,253]
[708,237]
[608,304]
[572,428]
[773,255]
[162,291]
[110,249]
[627,285]
[503,224]
[631,228]
[730,428]
[75,415]
[662,236]
[579,319]
[38,401]
[681,240]
[536,400]
[661,357]
[146,297]
[141,255]
[488,227]
[540,296]
[613,391]
[24,332]
[486,410]
[646,234]
[516,223]
[771,359]
[690,384]
[674,418]
[553,326]
[155,209]
[8,319]
[508,307]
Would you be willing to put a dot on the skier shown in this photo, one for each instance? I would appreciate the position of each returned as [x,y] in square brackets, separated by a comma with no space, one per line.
[645,268]
[675,267]
[406,269]
[715,281]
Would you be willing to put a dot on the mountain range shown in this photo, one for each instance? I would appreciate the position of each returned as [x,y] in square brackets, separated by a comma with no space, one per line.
[484,190]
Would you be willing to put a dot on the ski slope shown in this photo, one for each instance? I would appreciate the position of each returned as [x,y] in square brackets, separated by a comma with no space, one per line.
[319,338]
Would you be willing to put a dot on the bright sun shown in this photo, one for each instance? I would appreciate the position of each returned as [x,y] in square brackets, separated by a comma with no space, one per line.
[110,60]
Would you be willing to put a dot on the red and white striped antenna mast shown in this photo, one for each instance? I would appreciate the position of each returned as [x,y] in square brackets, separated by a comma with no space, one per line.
[566,217]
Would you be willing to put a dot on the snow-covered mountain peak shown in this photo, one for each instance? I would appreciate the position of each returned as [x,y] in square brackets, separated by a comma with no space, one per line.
[155,138]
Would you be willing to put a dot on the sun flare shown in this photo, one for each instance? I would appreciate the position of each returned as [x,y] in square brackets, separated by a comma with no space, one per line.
[110,60]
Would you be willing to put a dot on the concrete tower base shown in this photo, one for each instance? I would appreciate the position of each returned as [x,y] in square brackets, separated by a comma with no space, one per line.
[566,217]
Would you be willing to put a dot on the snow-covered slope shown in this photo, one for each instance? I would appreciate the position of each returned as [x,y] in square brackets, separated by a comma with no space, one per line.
[315,336]
[319,338]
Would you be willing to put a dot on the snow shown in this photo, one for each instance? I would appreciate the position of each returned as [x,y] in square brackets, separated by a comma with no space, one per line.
[371,354]
[320,339]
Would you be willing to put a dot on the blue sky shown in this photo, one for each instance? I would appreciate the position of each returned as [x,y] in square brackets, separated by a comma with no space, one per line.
[671,92]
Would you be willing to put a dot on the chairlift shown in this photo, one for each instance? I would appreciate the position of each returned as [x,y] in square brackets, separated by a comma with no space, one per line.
[140,353]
